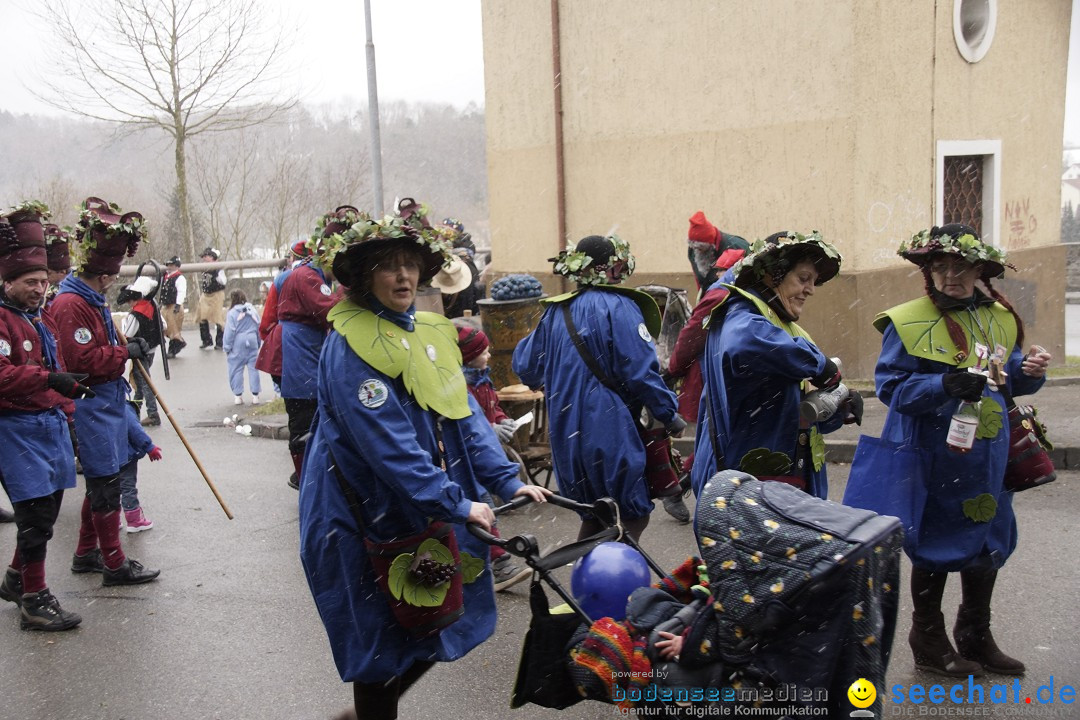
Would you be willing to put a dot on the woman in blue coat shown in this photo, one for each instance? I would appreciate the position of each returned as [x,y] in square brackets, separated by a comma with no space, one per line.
[395,431]
[595,445]
[928,347]
[759,364]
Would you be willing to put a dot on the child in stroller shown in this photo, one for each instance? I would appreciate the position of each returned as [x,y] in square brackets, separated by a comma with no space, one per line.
[799,602]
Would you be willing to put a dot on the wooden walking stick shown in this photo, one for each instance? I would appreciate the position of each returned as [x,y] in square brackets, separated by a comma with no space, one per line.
[180,433]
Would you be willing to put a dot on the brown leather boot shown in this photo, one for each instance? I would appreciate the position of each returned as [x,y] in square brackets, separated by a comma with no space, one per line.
[928,640]
[972,633]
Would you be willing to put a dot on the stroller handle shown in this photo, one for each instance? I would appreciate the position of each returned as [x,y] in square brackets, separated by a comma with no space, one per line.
[604,510]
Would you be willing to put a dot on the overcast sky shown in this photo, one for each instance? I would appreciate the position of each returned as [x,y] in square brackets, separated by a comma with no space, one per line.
[427,50]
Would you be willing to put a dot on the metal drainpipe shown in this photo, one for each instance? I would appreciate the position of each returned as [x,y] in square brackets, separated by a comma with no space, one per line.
[560,170]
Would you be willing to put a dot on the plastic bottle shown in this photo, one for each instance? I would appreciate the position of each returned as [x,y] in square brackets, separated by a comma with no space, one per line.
[965,420]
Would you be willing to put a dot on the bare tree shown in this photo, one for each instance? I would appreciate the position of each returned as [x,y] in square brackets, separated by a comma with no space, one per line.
[185,67]
[225,175]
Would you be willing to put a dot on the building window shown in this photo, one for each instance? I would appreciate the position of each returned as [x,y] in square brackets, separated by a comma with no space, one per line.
[962,191]
[968,186]
[974,23]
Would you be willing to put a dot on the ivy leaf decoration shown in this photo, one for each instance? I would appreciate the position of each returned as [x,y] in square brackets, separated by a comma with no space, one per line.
[405,583]
[981,508]
[990,419]
[398,570]
[817,448]
[420,595]
[762,461]
[471,567]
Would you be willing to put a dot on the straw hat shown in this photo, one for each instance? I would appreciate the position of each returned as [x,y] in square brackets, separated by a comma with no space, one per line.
[453,277]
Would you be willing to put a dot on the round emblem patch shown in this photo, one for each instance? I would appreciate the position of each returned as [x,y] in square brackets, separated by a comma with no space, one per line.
[27,345]
[324,289]
[431,353]
[373,393]
[83,336]
[5,348]
[644,332]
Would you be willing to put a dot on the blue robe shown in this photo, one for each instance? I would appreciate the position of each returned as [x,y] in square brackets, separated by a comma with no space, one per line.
[752,373]
[947,540]
[595,446]
[385,449]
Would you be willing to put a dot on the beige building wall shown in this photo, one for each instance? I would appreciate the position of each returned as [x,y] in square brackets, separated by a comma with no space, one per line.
[772,115]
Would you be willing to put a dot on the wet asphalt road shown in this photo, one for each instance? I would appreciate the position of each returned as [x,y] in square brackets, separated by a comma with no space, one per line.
[230,631]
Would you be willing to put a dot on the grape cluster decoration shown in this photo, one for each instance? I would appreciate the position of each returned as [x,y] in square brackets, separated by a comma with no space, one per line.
[516,287]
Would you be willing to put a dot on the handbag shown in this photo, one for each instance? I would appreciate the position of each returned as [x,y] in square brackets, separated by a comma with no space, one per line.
[1029,464]
[888,475]
[661,467]
[543,676]
[421,621]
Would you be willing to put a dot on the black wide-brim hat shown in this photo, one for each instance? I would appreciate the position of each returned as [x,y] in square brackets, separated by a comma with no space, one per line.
[956,240]
[349,261]
[782,251]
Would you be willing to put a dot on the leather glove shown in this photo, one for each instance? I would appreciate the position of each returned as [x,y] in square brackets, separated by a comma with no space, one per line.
[829,378]
[964,385]
[154,454]
[504,430]
[70,385]
[138,349]
[854,409]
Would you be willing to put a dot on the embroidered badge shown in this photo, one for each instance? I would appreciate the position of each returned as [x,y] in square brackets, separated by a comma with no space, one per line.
[644,333]
[431,353]
[83,336]
[373,393]
[325,290]
[27,345]
[5,348]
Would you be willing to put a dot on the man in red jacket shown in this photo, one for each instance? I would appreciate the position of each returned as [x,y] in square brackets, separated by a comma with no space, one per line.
[89,344]
[36,455]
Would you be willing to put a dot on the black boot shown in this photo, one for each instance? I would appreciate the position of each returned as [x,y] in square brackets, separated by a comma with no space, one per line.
[972,633]
[42,611]
[204,333]
[219,337]
[131,572]
[6,515]
[11,586]
[928,640]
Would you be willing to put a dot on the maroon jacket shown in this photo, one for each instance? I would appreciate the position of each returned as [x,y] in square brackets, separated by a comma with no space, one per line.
[685,360]
[23,374]
[82,353]
[301,299]
[488,400]
[269,359]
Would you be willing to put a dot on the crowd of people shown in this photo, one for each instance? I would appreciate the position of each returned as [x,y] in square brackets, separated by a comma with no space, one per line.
[412,452]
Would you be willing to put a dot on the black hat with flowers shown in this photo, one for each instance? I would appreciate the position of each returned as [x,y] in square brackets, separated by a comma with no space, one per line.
[596,260]
[367,237]
[777,254]
[955,240]
[106,236]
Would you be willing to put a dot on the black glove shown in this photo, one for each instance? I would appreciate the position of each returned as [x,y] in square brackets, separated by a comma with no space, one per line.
[69,385]
[138,349]
[964,385]
[675,427]
[829,377]
[854,409]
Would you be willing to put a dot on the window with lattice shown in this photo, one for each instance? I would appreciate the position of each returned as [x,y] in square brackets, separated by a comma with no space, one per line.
[962,191]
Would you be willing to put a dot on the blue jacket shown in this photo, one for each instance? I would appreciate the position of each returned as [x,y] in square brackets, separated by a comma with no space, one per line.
[752,373]
[595,445]
[947,540]
[241,329]
[386,447]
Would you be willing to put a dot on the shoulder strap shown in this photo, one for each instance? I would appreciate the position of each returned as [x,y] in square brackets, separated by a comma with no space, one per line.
[587,356]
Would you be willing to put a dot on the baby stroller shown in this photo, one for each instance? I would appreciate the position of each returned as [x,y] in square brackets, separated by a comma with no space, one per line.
[801,602]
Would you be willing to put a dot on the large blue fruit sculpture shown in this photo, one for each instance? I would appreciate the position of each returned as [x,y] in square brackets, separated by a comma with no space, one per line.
[602,581]
[516,287]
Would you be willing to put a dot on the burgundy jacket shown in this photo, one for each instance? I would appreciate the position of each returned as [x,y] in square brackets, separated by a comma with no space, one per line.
[488,400]
[685,360]
[23,374]
[269,359]
[94,355]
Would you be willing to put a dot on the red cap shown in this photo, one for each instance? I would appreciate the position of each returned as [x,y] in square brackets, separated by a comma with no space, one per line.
[703,231]
[472,343]
[729,257]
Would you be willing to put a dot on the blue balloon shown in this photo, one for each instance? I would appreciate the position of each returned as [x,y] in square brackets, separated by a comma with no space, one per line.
[602,580]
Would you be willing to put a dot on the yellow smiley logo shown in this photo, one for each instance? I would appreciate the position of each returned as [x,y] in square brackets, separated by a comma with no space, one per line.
[862,693]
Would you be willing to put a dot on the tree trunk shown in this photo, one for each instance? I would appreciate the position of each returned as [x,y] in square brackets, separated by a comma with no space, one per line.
[182,192]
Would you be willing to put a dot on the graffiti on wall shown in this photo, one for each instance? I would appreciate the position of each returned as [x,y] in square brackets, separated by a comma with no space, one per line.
[1020,223]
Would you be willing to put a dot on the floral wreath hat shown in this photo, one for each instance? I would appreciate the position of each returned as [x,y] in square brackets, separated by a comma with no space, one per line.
[104,236]
[581,265]
[774,255]
[365,236]
[958,240]
[333,231]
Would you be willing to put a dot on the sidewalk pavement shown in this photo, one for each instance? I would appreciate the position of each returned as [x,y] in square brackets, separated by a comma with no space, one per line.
[1058,404]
